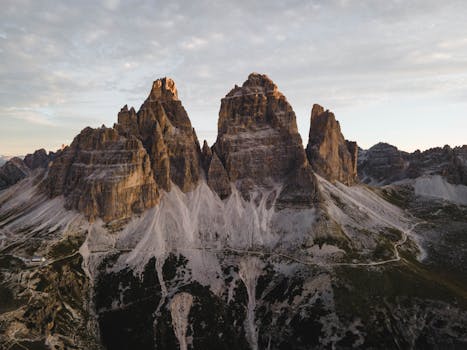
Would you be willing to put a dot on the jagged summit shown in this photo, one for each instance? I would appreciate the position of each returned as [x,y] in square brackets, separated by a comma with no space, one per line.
[113,173]
[260,82]
[258,141]
[163,89]
[258,102]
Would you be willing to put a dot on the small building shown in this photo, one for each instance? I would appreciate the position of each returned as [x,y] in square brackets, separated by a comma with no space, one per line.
[37,259]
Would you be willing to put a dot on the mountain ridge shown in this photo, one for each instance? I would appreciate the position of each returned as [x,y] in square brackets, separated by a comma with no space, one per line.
[151,241]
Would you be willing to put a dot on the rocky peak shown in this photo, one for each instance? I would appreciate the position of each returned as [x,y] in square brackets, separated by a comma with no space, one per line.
[330,155]
[17,169]
[163,89]
[382,163]
[258,143]
[257,104]
[13,171]
[165,130]
[113,173]
[206,156]
[39,159]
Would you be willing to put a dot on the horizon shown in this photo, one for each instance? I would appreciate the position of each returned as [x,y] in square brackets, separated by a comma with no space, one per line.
[391,72]
[212,140]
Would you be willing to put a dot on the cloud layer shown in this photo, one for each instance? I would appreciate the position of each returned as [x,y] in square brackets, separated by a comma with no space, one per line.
[392,70]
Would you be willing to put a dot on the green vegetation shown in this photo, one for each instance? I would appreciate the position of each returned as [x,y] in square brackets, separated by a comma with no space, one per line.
[400,197]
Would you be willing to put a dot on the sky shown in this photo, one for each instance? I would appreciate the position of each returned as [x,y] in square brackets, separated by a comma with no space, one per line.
[390,70]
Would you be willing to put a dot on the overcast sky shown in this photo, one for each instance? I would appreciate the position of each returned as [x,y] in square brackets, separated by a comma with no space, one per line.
[391,70]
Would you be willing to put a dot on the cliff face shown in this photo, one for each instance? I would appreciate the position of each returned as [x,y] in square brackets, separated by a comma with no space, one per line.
[165,130]
[113,173]
[13,171]
[17,169]
[103,174]
[330,155]
[258,143]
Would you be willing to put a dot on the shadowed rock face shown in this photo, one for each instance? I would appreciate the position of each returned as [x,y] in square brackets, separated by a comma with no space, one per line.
[330,155]
[39,159]
[384,164]
[258,143]
[13,171]
[17,169]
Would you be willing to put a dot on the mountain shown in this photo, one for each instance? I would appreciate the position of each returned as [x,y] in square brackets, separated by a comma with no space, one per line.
[3,159]
[151,241]
[16,168]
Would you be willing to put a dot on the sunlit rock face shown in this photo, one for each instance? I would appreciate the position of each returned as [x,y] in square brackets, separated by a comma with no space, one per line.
[165,130]
[258,142]
[329,153]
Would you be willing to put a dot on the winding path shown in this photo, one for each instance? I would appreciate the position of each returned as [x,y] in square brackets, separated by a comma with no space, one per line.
[399,243]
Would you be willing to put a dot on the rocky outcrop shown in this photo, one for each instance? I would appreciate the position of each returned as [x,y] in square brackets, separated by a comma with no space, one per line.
[258,143]
[383,164]
[114,173]
[13,171]
[103,174]
[206,156]
[38,159]
[165,130]
[330,155]
[218,178]
[17,169]
[451,163]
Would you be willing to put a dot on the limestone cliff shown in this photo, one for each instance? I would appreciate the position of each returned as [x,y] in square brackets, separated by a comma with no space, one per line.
[103,174]
[165,130]
[258,143]
[330,155]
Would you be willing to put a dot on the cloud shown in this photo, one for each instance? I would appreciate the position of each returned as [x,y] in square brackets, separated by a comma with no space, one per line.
[83,60]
